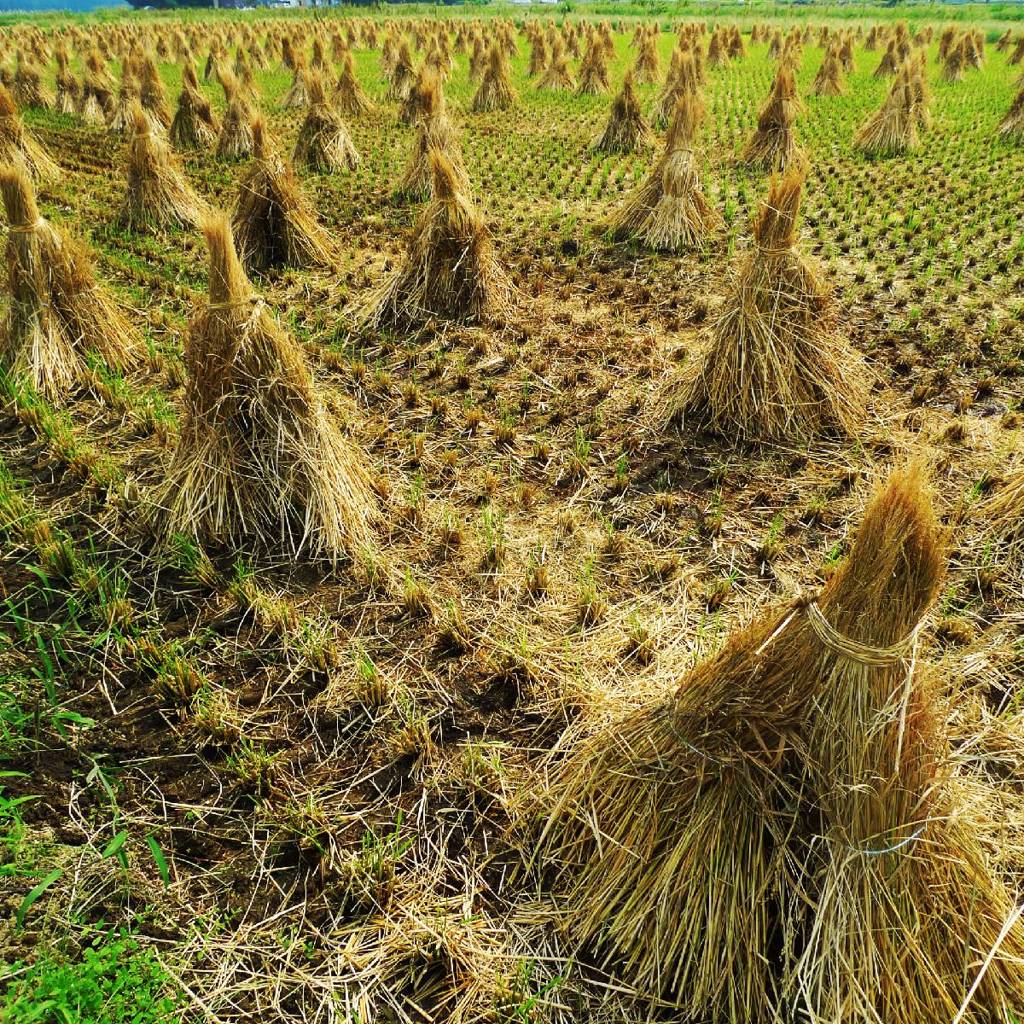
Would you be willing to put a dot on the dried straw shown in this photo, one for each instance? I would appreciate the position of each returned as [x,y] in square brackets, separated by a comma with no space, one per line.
[273,224]
[779,839]
[19,147]
[324,144]
[158,195]
[450,270]
[59,314]
[774,368]
[259,458]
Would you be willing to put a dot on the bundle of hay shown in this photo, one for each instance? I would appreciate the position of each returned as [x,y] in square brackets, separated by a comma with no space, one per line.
[773,144]
[920,96]
[194,125]
[735,44]
[1012,125]
[297,95]
[774,368]
[235,140]
[647,65]
[434,132]
[120,119]
[557,74]
[892,129]
[450,271]
[324,144]
[626,131]
[59,314]
[974,49]
[318,61]
[594,71]
[1018,52]
[495,91]
[538,56]
[829,79]
[890,62]
[403,76]
[18,147]
[273,224]
[349,95]
[668,210]
[259,458]
[152,94]
[682,78]
[778,838]
[718,54]
[845,54]
[97,70]
[27,86]
[955,67]
[410,108]
[158,195]
[69,92]
[947,40]
[477,59]
[97,101]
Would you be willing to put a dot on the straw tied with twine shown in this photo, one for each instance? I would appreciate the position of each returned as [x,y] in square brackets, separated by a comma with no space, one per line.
[903,651]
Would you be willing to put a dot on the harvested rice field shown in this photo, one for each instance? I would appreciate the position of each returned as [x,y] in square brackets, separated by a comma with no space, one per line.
[512,517]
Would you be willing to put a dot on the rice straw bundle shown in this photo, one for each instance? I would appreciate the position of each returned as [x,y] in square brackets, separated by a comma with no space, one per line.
[773,144]
[324,144]
[682,78]
[349,95]
[889,63]
[777,839]
[235,140]
[27,86]
[403,76]
[194,126]
[273,224]
[647,65]
[955,67]
[593,71]
[892,129]
[97,101]
[735,44]
[69,92]
[58,313]
[1012,125]
[259,458]
[153,95]
[668,209]
[297,95]
[829,79]
[538,56]
[119,120]
[557,74]
[626,131]
[450,270]
[434,131]
[718,55]
[774,368]
[158,195]
[495,91]
[19,147]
